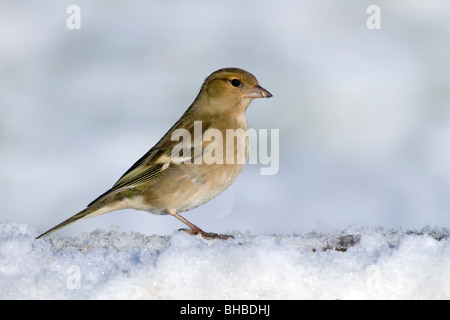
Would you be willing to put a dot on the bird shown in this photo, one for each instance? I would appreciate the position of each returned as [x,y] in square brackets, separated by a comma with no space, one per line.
[175,175]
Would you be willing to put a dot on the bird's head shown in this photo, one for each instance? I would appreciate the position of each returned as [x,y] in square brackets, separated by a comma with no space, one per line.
[232,88]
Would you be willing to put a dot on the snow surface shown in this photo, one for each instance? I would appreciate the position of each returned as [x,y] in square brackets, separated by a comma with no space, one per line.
[355,263]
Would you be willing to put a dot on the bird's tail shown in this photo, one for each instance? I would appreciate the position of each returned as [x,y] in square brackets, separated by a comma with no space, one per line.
[90,211]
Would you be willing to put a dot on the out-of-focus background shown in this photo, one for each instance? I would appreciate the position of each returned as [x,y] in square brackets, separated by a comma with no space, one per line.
[363,115]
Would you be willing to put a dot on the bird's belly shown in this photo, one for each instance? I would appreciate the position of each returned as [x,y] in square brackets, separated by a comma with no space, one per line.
[205,187]
[189,189]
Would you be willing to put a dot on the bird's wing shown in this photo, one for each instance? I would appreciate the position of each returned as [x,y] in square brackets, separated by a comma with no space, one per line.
[146,169]
[155,162]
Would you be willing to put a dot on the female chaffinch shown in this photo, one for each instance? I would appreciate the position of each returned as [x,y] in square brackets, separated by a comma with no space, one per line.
[174,176]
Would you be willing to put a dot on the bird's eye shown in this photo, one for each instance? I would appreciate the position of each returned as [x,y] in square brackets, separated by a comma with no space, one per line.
[235,82]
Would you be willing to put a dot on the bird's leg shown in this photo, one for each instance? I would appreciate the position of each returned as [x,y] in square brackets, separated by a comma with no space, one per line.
[194,230]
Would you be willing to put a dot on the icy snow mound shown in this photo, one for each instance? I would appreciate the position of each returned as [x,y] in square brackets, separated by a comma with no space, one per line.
[356,263]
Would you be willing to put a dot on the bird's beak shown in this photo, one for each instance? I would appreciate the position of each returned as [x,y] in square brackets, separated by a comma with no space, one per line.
[257,92]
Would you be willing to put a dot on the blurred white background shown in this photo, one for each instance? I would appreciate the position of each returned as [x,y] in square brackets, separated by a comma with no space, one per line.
[364,115]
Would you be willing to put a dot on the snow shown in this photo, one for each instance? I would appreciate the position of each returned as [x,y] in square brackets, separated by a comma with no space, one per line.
[355,263]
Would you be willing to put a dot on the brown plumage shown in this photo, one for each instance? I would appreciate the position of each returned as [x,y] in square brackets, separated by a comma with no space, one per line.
[178,175]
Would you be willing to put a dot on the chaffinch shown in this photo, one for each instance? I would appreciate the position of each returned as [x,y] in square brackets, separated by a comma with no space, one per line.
[197,159]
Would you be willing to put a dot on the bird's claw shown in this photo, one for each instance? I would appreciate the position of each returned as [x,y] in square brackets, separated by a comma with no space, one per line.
[206,235]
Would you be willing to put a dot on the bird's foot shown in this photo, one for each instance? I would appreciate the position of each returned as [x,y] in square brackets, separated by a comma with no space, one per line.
[206,235]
